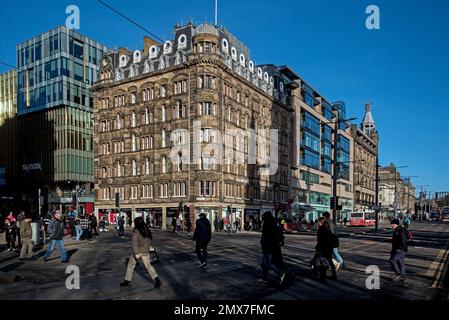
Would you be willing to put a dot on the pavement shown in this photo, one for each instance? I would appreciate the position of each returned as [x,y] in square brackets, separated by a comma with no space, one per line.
[234,264]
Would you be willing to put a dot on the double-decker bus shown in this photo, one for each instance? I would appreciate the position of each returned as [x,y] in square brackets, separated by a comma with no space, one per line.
[445,214]
[363,219]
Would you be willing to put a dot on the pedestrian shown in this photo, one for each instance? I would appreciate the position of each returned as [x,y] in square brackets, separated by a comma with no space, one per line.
[270,243]
[398,251]
[141,251]
[202,236]
[178,224]
[325,247]
[78,228]
[57,228]
[407,222]
[102,225]
[121,227]
[188,225]
[94,224]
[26,235]
[20,218]
[148,221]
[345,221]
[216,224]
[340,262]
[173,224]
[10,234]
[84,223]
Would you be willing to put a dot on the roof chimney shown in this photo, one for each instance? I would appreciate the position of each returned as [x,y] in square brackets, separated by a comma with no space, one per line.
[122,51]
[147,43]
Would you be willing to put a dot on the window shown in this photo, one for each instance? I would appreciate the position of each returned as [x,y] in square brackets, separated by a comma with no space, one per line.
[164,91]
[133,98]
[164,113]
[134,168]
[104,173]
[208,163]
[151,142]
[164,165]
[133,192]
[164,138]
[133,143]
[133,120]
[147,116]
[179,189]
[147,166]
[206,82]
[179,162]
[119,169]
[310,159]
[207,108]
[164,190]
[229,114]
[180,87]
[207,135]
[238,118]
[118,122]
[207,188]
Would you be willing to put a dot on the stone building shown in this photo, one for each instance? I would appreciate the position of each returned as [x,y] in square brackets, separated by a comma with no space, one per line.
[365,160]
[172,127]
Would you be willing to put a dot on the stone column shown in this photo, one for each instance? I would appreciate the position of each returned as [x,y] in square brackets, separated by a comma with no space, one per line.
[164,218]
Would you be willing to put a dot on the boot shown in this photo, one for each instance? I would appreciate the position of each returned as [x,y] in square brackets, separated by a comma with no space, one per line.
[158,283]
[125,283]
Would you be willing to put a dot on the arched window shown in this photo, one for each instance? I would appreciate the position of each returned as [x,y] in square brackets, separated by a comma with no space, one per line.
[147,116]
[179,162]
[164,165]
[118,122]
[164,138]
[147,166]
[133,98]
[164,113]
[151,142]
[133,143]
[134,168]
[119,169]
[133,120]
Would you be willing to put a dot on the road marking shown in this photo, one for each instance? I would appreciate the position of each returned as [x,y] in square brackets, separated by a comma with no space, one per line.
[437,267]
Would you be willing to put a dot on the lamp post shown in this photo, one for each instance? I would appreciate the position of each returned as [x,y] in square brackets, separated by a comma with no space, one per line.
[335,163]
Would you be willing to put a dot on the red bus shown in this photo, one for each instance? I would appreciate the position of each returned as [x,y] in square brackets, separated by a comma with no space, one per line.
[363,219]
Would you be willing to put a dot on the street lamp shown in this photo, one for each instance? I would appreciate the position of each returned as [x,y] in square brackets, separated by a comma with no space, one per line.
[335,166]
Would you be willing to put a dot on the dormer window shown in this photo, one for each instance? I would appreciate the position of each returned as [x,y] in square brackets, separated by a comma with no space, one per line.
[225,46]
[182,41]
[123,61]
[137,56]
[234,54]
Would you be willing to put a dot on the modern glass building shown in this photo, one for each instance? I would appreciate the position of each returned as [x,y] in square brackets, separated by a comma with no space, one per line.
[56,71]
[8,95]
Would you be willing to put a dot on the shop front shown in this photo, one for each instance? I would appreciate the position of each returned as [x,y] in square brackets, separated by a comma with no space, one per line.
[347,208]
[320,203]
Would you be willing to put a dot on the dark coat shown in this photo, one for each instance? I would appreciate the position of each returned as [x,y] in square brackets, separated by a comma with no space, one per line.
[203,231]
[270,234]
[324,241]
[59,230]
[11,232]
[399,240]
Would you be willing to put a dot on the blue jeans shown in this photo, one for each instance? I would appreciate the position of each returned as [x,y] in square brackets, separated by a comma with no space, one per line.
[337,256]
[79,232]
[267,265]
[51,248]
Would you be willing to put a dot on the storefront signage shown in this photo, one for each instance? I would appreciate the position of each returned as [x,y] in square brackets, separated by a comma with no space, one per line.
[32,167]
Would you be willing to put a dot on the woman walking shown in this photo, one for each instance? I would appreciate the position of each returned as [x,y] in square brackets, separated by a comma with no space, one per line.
[141,251]
[325,247]
[10,234]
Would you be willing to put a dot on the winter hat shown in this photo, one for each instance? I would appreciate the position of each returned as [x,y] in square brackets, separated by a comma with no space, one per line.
[395,221]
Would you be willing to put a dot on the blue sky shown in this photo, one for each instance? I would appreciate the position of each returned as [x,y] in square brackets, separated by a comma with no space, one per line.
[403,68]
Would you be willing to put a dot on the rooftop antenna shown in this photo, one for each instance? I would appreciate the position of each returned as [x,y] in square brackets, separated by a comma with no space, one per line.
[216,13]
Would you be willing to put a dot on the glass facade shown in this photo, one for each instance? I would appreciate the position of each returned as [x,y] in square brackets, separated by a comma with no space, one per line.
[56,71]
[57,68]
[343,157]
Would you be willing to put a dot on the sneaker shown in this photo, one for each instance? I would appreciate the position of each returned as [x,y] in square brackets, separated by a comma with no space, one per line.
[396,278]
[204,264]
[125,284]
[282,278]
[337,266]
[262,280]
[402,279]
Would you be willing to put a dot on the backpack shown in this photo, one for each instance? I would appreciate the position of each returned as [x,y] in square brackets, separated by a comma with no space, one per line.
[335,242]
[51,227]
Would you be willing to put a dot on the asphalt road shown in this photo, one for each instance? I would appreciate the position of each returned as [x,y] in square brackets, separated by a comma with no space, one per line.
[234,261]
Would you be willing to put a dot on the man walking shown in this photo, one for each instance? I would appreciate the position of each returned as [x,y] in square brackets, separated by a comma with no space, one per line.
[399,248]
[271,242]
[26,234]
[57,239]
[84,223]
[202,236]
